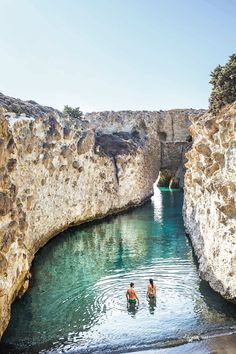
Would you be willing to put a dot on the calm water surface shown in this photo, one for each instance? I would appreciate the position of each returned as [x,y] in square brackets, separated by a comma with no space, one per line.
[77,299]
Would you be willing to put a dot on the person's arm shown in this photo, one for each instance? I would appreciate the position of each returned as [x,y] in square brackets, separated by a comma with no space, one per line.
[155,290]
[127,296]
[136,296]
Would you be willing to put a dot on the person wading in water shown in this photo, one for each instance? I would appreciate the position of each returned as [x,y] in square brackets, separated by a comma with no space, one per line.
[151,290]
[131,295]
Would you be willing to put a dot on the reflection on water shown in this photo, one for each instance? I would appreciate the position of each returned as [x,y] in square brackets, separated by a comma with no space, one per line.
[132,309]
[152,305]
[77,301]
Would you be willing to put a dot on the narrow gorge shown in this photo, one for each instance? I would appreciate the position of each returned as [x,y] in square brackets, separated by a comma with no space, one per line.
[57,172]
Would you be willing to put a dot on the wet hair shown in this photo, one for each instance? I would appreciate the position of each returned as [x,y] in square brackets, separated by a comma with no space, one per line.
[151,282]
[131,284]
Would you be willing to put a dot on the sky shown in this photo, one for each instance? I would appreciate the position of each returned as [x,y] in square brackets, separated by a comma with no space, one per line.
[114,54]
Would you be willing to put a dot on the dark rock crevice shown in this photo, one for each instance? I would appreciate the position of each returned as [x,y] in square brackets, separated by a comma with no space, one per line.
[172,126]
[116,169]
[118,143]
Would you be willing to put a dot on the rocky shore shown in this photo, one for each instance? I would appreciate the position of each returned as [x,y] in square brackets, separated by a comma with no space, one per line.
[56,172]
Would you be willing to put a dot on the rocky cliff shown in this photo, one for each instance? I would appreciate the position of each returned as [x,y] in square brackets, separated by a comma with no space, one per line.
[209,209]
[173,131]
[56,172]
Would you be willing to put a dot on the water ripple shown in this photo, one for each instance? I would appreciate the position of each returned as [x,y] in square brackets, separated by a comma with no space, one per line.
[77,301]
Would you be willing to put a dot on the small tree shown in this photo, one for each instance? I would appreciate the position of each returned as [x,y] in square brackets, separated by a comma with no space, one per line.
[223,79]
[72,112]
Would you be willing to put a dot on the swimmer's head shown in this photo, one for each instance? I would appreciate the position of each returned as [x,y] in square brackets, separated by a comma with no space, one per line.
[151,281]
[131,285]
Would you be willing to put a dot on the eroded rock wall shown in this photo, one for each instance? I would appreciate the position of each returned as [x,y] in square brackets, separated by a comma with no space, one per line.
[173,129]
[56,172]
[52,178]
[210,197]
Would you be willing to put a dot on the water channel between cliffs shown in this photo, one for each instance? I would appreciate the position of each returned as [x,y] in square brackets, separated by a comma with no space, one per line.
[76,302]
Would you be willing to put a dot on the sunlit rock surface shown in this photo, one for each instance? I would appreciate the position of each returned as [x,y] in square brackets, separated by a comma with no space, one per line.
[210,193]
[56,172]
[173,131]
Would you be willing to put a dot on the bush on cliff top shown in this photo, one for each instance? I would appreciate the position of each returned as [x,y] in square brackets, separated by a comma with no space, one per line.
[223,79]
[72,112]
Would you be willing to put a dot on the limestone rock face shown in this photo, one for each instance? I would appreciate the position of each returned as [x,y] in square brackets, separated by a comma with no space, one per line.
[56,172]
[173,130]
[210,196]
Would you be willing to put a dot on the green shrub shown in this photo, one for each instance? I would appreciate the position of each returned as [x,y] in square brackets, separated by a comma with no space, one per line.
[72,112]
[223,79]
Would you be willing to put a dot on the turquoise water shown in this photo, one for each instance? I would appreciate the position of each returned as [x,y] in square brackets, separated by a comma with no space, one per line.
[76,302]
